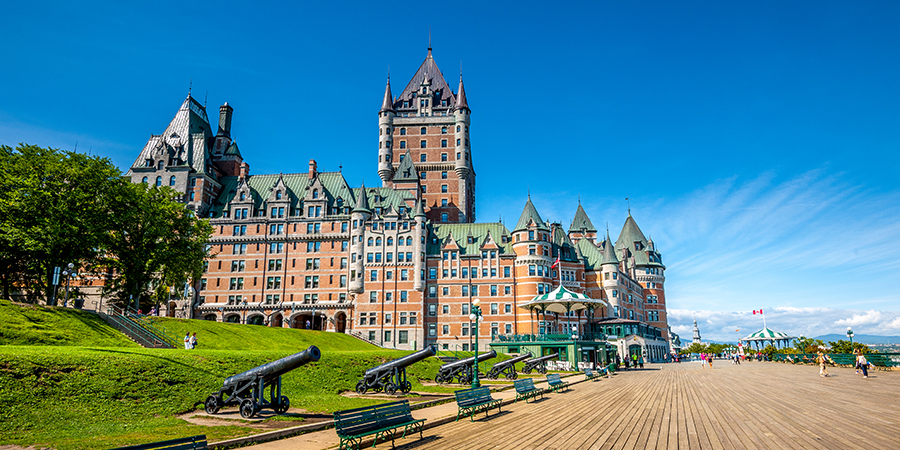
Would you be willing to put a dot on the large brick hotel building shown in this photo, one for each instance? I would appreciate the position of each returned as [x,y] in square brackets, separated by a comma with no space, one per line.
[400,263]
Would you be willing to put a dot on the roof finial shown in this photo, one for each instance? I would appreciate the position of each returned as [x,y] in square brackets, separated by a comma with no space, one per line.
[340,167]
[629,205]
[205,98]
[429,39]
[190,86]
[579,199]
[529,190]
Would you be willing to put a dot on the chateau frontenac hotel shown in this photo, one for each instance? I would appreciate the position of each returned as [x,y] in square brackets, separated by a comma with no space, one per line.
[399,264]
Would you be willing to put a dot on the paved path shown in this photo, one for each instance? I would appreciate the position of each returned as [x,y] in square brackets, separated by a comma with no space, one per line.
[678,406]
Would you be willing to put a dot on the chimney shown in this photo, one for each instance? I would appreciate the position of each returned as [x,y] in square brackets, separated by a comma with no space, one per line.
[245,170]
[225,120]
[312,169]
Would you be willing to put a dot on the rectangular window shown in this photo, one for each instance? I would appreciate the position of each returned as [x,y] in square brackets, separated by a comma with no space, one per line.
[373,297]
[432,329]
[465,309]
[403,296]
[387,336]
[507,308]
[432,309]
[432,291]
[445,329]
[493,290]
[403,337]
[506,290]
[422,144]
[444,157]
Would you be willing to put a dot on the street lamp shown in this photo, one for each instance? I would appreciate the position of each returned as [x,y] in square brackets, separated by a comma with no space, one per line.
[850,335]
[477,318]
[68,273]
[244,310]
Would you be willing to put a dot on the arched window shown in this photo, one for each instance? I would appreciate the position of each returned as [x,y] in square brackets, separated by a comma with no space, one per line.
[371,242]
[457,128]
[144,180]
[409,241]
[277,195]
[172,180]
[390,241]
[159,181]
[159,165]
[378,241]
[400,241]
[315,193]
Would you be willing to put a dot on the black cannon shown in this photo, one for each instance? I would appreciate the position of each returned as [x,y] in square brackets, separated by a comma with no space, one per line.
[391,376]
[538,364]
[462,369]
[507,368]
[247,389]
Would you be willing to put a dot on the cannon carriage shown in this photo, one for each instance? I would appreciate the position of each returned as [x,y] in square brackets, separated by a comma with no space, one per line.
[248,389]
[462,370]
[390,377]
[507,368]
[539,364]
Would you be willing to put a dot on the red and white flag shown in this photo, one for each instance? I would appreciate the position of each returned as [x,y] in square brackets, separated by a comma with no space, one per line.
[556,263]
[757,311]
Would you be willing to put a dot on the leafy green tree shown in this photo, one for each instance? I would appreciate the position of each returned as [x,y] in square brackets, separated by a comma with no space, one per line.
[52,213]
[154,242]
[843,346]
[807,345]
[695,348]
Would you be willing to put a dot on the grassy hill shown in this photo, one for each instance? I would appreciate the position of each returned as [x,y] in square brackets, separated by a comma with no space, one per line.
[22,324]
[80,384]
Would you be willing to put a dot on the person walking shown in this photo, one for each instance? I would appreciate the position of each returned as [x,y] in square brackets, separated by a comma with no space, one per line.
[194,341]
[187,341]
[862,364]
[641,361]
[856,359]
[709,360]
[821,359]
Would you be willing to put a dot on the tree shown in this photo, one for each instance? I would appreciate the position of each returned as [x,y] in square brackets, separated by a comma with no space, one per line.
[843,346]
[52,213]
[154,241]
[695,348]
[807,345]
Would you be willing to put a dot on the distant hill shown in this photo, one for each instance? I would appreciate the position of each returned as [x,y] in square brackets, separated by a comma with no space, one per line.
[864,338]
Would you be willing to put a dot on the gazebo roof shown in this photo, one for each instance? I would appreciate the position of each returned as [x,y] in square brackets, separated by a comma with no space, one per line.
[562,300]
[767,334]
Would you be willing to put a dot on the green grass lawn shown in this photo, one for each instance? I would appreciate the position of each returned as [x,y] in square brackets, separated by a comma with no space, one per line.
[22,324]
[69,381]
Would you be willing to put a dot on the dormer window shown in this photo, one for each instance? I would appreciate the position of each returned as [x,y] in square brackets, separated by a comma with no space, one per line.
[315,193]
[277,195]
[424,89]
[159,165]
[243,196]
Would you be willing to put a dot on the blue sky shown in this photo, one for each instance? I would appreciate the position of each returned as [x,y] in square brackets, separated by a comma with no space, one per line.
[758,142]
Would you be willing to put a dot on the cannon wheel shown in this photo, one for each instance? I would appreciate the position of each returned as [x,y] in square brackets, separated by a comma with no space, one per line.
[464,379]
[390,389]
[407,386]
[512,376]
[438,379]
[283,405]
[542,369]
[248,410]
[212,404]
[361,388]
[526,370]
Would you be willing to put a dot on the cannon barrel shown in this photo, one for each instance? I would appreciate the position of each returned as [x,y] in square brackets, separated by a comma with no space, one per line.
[504,364]
[542,358]
[469,361]
[407,360]
[275,369]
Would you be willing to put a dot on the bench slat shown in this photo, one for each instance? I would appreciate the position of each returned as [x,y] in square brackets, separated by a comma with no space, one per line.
[198,441]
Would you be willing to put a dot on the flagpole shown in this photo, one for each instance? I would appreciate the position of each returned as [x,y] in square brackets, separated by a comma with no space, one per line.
[763,312]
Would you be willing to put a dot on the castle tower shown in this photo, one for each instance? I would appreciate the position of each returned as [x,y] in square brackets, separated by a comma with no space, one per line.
[696,333]
[643,262]
[609,275]
[358,217]
[581,227]
[431,122]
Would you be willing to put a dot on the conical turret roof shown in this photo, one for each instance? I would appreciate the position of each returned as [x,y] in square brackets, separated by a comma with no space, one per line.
[609,252]
[461,96]
[581,221]
[429,70]
[362,201]
[529,213]
[388,103]
[629,235]
[420,210]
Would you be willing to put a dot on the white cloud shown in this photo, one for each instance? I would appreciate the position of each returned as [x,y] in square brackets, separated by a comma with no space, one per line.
[868,318]
[894,324]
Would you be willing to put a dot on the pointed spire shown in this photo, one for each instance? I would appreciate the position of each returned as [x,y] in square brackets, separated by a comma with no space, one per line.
[461,95]
[581,221]
[529,214]
[420,210]
[362,201]
[609,252]
[387,104]
[630,234]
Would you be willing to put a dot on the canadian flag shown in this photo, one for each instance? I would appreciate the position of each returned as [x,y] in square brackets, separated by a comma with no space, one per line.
[757,311]
[555,263]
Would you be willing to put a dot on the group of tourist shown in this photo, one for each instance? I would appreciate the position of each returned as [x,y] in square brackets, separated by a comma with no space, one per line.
[190,341]
[860,362]
[634,361]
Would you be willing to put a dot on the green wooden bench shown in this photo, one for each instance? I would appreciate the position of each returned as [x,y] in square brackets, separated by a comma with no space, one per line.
[556,383]
[525,389]
[474,400]
[352,425]
[193,442]
[590,374]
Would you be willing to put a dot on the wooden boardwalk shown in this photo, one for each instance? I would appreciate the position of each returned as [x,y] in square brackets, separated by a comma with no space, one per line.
[681,406]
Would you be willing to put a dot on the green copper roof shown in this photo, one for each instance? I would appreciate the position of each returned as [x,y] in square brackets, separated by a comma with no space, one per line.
[438,234]
[560,241]
[530,214]
[592,255]
[362,200]
[406,171]
[420,210]
[581,221]
[233,149]
[630,234]
[609,252]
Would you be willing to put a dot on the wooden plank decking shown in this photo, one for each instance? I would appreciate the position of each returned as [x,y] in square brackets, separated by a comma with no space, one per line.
[681,406]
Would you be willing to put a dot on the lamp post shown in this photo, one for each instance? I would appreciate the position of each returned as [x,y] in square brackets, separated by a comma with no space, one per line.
[67,273]
[850,335]
[477,318]
[244,310]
